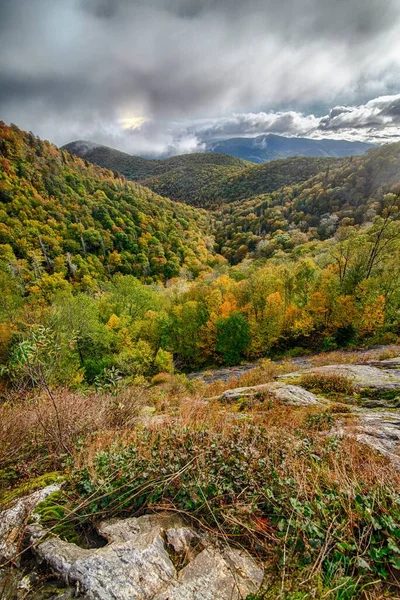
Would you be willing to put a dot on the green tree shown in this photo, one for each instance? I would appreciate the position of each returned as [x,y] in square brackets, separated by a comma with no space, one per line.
[232,337]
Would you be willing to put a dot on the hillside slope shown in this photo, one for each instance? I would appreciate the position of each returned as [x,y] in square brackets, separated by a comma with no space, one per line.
[347,192]
[138,168]
[202,179]
[64,219]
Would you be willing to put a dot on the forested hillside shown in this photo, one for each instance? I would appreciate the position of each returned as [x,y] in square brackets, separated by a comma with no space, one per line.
[344,193]
[76,239]
[137,168]
[192,178]
[203,179]
[64,220]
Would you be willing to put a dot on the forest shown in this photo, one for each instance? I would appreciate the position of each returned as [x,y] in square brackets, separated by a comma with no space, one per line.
[112,297]
[129,284]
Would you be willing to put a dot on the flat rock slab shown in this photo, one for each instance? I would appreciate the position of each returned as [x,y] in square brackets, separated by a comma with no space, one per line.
[139,563]
[390,363]
[223,374]
[284,392]
[362,376]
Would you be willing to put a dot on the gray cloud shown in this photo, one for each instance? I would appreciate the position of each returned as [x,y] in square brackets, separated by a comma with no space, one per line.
[378,115]
[75,68]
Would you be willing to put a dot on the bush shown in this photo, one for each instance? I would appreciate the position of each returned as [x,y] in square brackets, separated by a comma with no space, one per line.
[327,383]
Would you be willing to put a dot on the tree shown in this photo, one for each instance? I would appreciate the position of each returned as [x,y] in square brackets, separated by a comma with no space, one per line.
[232,337]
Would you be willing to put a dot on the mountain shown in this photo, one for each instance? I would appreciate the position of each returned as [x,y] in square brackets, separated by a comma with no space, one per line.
[264,148]
[201,179]
[138,168]
[346,192]
[66,219]
[272,176]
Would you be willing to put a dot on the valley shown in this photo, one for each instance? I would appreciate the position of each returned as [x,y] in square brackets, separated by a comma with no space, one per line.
[199,372]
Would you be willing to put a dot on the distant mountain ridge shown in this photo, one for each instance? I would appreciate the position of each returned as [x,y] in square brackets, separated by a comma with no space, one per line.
[138,168]
[203,179]
[265,148]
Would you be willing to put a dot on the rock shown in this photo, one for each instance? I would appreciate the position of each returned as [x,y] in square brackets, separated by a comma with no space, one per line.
[215,575]
[184,541]
[14,519]
[378,429]
[390,363]
[362,376]
[287,393]
[136,564]
[295,395]
[225,374]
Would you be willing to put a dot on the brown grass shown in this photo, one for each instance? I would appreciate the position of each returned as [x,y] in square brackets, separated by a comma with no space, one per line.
[35,439]
[354,356]
[327,383]
[264,373]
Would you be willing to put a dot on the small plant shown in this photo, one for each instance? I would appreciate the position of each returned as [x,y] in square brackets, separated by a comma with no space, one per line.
[327,383]
[109,381]
[320,421]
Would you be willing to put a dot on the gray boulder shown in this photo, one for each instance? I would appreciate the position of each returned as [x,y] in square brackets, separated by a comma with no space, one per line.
[152,557]
[283,392]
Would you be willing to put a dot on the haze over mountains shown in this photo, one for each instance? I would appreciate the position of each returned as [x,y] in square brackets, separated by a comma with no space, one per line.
[268,147]
[260,149]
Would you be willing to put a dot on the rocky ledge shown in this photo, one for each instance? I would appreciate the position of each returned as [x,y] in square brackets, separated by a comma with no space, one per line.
[155,557]
[379,381]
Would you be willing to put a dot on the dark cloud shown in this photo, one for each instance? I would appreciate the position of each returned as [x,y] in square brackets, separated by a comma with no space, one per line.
[75,68]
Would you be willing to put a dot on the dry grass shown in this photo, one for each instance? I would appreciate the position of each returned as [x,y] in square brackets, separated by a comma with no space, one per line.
[37,434]
[327,383]
[264,373]
[354,356]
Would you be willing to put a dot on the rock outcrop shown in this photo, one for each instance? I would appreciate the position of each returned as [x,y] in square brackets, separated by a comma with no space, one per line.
[14,519]
[362,376]
[376,383]
[283,392]
[153,557]
[380,430]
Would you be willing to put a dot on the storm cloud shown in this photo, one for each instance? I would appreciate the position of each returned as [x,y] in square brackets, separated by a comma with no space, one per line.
[165,75]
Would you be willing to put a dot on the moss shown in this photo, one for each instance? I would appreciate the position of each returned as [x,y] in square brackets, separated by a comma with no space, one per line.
[8,496]
[379,394]
[54,515]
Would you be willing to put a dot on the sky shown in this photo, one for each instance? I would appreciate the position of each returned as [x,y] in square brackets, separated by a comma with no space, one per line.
[166,76]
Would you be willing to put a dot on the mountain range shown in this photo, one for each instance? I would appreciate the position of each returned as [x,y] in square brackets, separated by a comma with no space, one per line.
[264,148]
[63,215]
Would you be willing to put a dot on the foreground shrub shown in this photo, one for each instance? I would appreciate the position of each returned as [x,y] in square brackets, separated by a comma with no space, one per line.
[278,496]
